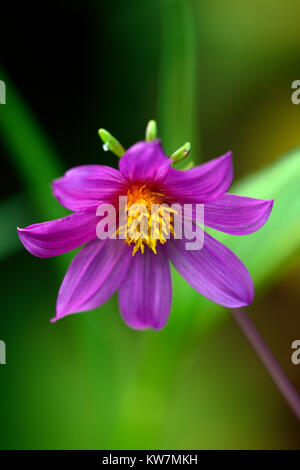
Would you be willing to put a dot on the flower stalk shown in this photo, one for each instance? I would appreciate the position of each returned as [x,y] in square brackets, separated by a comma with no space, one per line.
[266,356]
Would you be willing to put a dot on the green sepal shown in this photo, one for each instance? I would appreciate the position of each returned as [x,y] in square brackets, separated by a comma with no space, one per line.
[111,143]
[151,130]
[181,153]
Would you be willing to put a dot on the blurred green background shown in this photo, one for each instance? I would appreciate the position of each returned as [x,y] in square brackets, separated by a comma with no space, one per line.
[218,74]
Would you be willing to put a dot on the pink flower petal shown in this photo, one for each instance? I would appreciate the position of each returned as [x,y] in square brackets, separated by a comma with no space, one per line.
[93,276]
[214,271]
[145,295]
[202,183]
[88,185]
[237,215]
[145,162]
[59,236]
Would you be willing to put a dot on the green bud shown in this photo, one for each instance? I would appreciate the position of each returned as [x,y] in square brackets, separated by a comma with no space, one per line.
[111,143]
[181,153]
[188,166]
[151,130]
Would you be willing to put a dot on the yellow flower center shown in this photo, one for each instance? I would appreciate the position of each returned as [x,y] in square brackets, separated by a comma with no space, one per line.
[148,218]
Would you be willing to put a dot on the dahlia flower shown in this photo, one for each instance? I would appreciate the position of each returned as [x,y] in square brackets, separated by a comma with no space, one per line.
[139,267]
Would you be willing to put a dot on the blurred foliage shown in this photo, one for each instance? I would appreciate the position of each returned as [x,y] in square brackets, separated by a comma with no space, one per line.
[217,74]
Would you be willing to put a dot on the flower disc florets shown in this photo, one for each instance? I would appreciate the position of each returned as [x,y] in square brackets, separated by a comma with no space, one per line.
[149,218]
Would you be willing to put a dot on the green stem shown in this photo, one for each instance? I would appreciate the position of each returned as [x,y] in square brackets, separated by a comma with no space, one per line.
[178,77]
[33,156]
[268,359]
[177,124]
[37,164]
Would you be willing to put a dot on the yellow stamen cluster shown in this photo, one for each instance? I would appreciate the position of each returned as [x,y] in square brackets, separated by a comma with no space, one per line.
[148,219]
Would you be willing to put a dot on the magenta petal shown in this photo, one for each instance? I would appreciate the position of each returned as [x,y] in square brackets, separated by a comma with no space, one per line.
[59,236]
[202,183]
[214,271]
[145,295]
[87,185]
[237,215]
[146,162]
[93,276]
